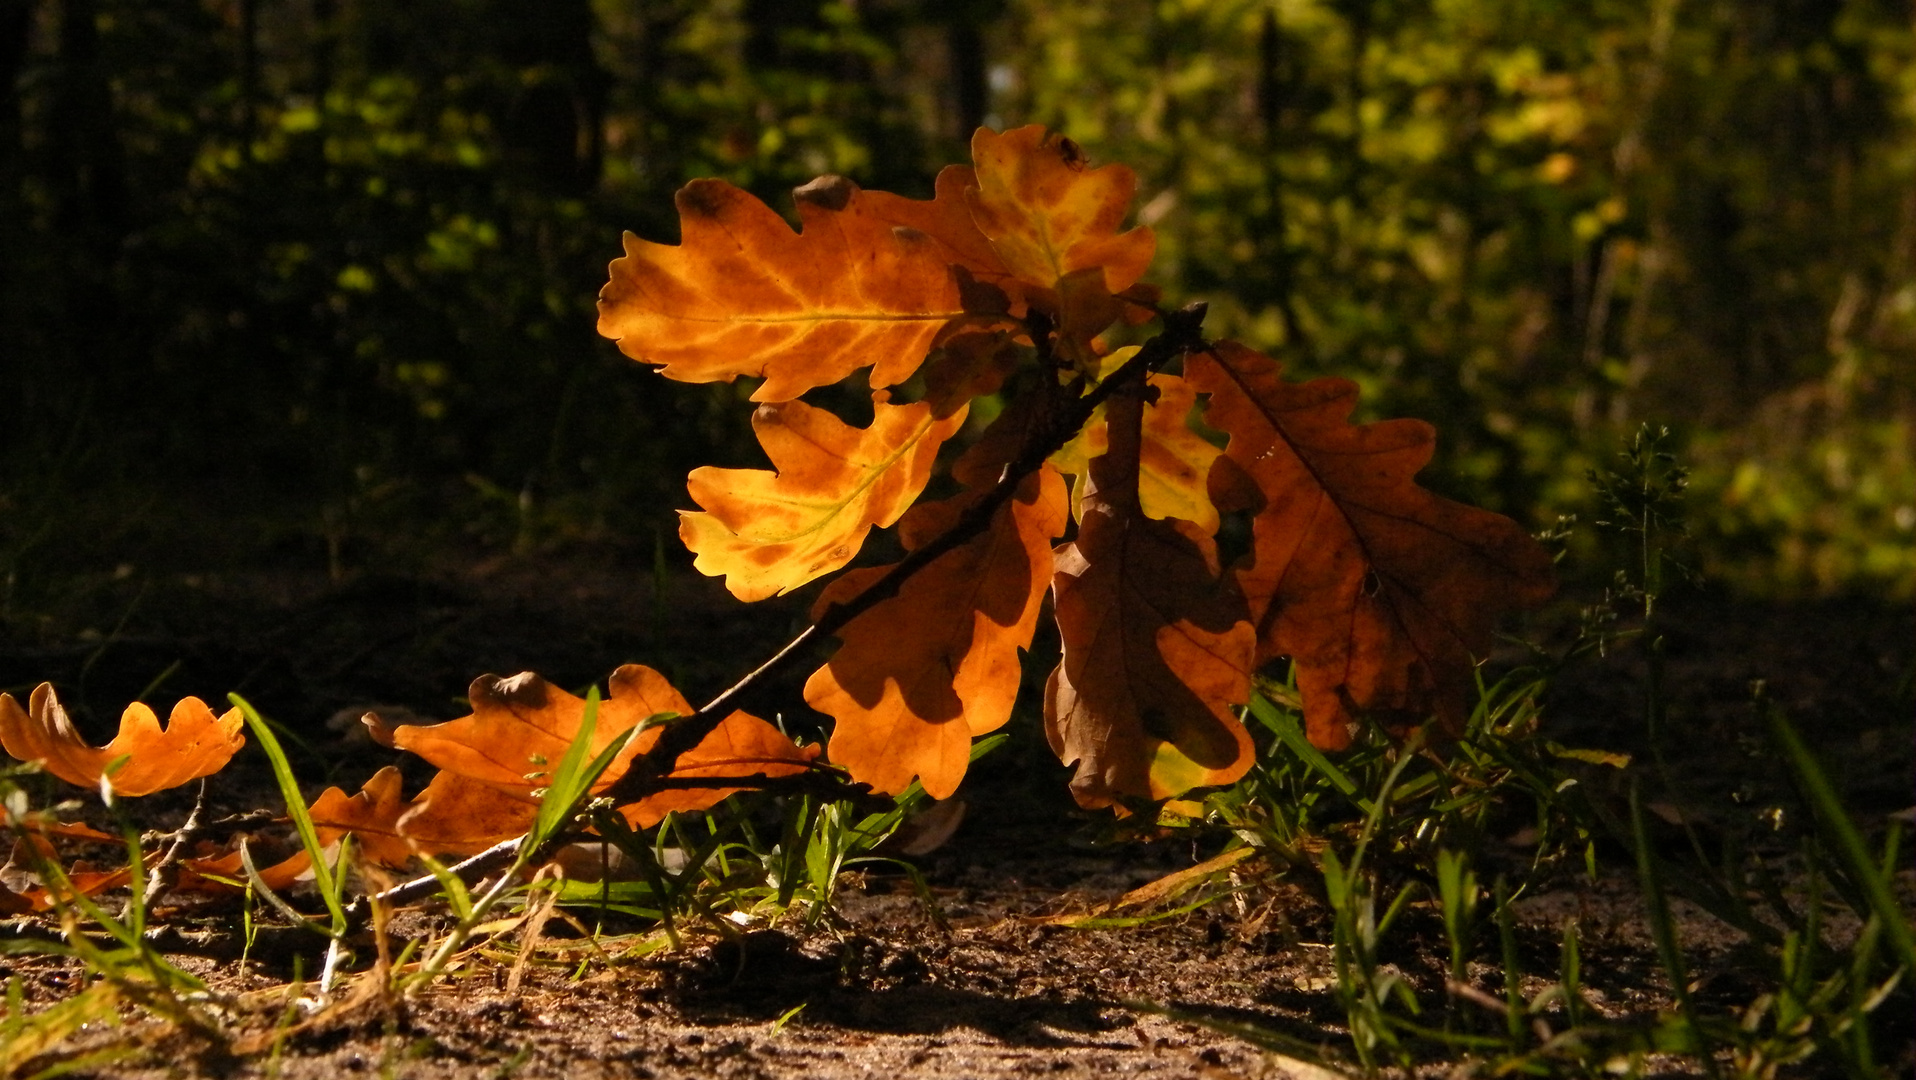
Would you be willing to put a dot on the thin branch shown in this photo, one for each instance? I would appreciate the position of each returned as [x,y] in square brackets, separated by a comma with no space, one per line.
[1055,427]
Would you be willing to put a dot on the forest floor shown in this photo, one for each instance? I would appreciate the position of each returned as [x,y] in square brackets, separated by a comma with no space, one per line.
[879,987]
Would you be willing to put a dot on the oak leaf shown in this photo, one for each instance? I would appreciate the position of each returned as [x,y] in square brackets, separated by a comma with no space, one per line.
[771,532]
[1174,461]
[457,815]
[945,220]
[1383,594]
[1047,214]
[742,294]
[371,816]
[521,727]
[1156,650]
[142,758]
[925,671]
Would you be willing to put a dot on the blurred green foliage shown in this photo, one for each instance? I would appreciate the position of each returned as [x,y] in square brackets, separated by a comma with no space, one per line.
[337,258]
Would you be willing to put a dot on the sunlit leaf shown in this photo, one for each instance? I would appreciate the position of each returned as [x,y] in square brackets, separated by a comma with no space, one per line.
[1048,214]
[520,728]
[143,758]
[924,672]
[770,532]
[742,294]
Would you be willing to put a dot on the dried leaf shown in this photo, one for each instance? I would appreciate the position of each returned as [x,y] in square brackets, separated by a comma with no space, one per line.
[1155,651]
[521,727]
[924,672]
[1383,594]
[771,532]
[371,816]
[1047,214]
[194,743]
[456,815]
[744,295]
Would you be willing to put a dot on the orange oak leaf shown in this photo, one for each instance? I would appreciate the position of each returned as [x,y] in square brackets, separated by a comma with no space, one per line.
[1173,460]
[456,815]
[771,532]
[1047,214]
[371,816]
[924,672]
[945,220]
[742,294]
[520,728]
[42,824]
[141,759]
[1156,651]
[1383,594]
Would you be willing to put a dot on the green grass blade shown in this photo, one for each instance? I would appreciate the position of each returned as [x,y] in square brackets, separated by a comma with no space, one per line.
[295,808]
[1842,834]
[1293,738]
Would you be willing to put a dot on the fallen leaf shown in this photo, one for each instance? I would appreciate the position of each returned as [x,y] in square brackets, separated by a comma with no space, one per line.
[924,672]
[742,294]
[371,816]
[194,743]
[769,532]
[520,728]
[1047,214]
[456,815]
[1156,651]
[1383,594]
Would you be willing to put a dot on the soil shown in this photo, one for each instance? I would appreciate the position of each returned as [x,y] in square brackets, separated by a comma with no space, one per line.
[881,987]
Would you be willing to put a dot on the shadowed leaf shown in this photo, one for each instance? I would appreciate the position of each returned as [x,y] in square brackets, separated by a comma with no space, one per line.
[770,532]
[194,743]
[1383,594]
[925,671]
[1173,460]
[1155,652]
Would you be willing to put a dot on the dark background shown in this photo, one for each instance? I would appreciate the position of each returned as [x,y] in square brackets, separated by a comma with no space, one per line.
[305,287]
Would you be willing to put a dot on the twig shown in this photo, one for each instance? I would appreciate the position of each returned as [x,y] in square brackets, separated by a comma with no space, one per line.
[182,836]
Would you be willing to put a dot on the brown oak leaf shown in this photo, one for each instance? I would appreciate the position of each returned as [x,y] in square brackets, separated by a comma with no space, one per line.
[924,672]
[1383,594]
[742,294]
[1156,651]
[142,758]
[769,532]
